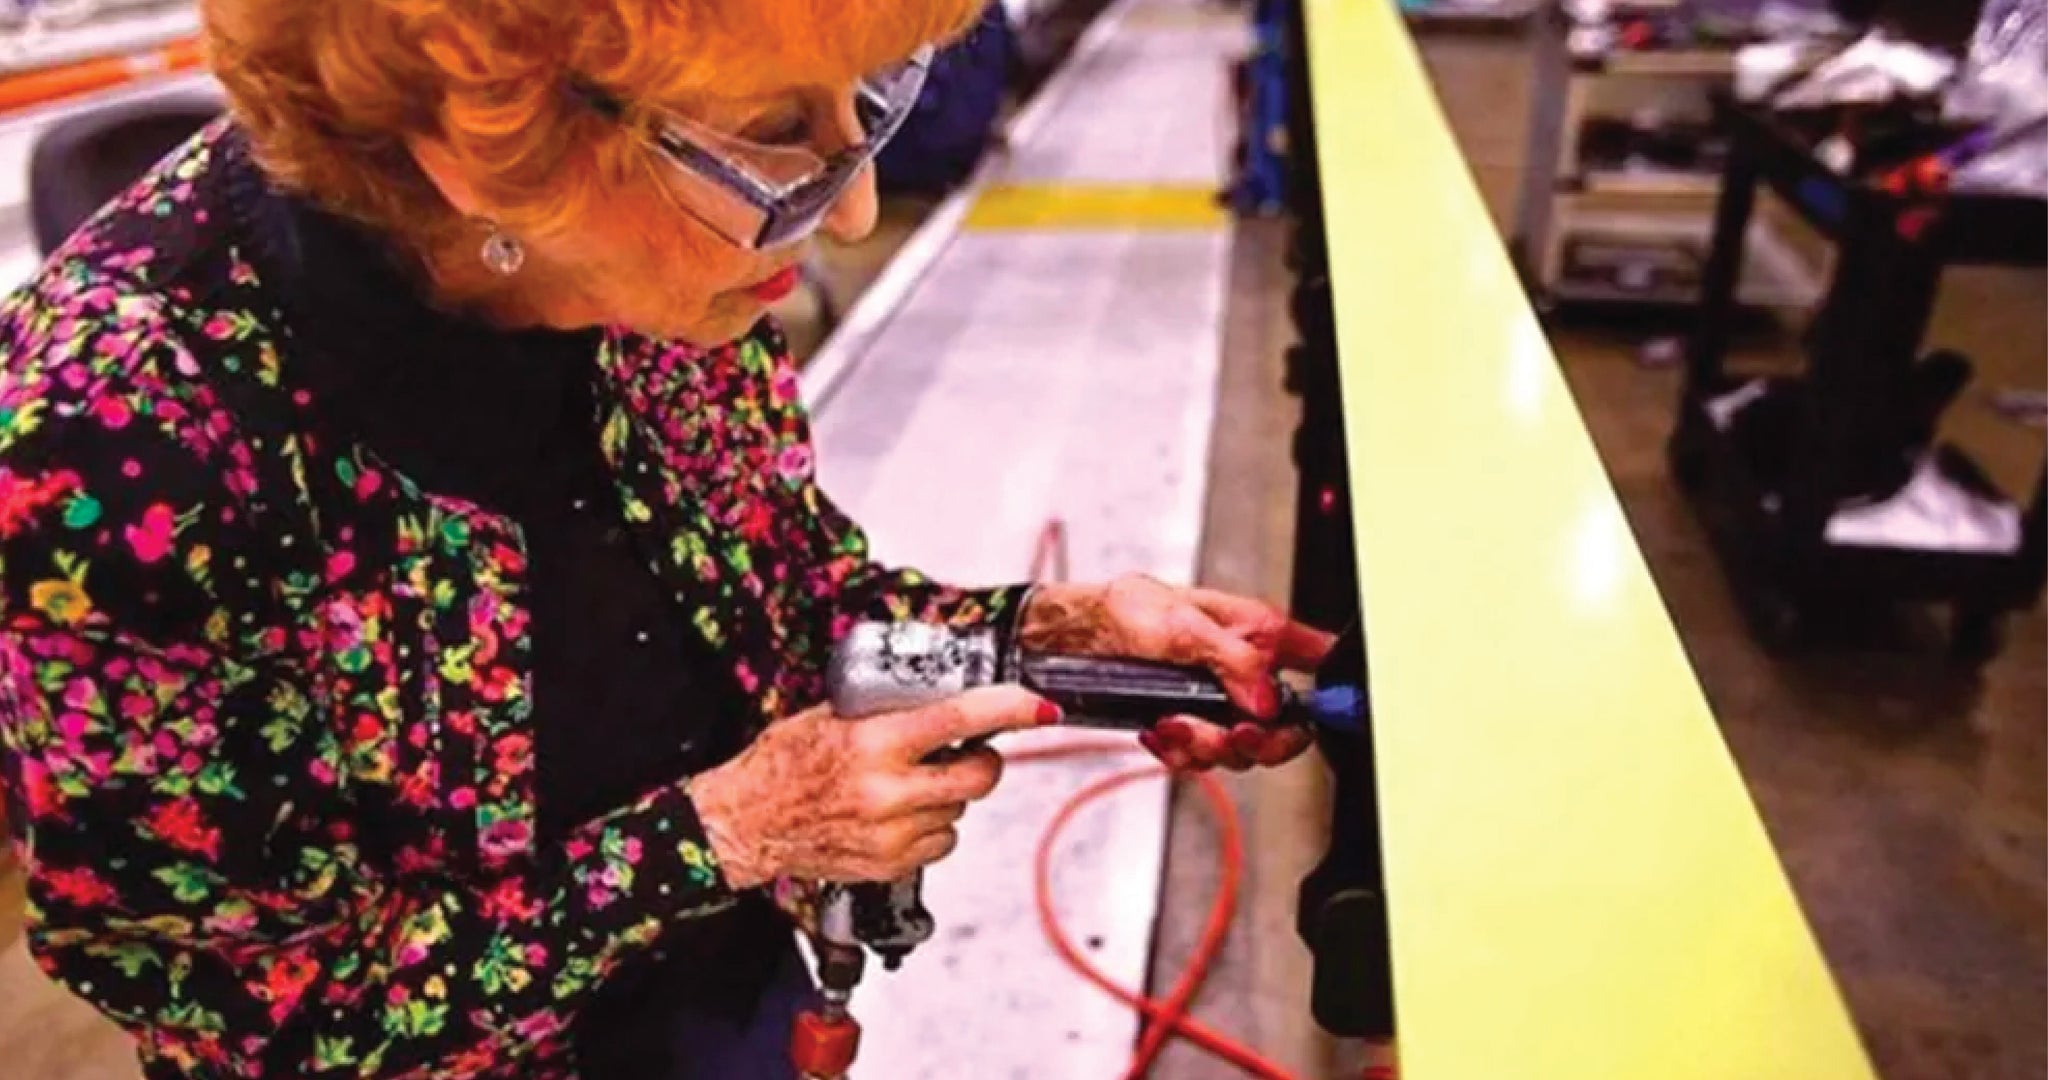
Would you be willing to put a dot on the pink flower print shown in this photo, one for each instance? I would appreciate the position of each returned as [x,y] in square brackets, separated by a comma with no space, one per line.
[81,694]
[72,726]
[632,850]
[129,260]
[231,920]
[182,825]
[339,564]
[115,347]
[508,900]
[462,798]
[21,498]
[36,789]
[112,412]
[219,327]
[80,888]
[344,625]
[151,539]
[503,839]
[536,954]
[136,707]
[578,848]
[538,1027]
[782,389]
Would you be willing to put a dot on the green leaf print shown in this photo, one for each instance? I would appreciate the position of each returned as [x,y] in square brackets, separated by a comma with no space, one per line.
[455,664]
[189,884]
[755,357]
[82,511]
[703,869]
[176,784]
[188,1015]
[501,967]
[280,733]
[416,1019]
[574,977]
[330,1052]
[218,778]
[129,957]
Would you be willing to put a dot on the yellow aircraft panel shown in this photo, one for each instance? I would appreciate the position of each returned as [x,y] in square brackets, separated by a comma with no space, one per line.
[1579,884]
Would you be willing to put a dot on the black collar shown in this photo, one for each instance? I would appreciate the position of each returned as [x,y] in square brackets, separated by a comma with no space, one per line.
[462,407]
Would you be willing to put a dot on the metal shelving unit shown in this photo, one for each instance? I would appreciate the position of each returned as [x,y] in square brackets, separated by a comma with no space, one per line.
[1568,198]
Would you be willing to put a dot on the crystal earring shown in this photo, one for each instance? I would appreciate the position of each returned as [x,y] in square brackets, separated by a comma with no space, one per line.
[502,252]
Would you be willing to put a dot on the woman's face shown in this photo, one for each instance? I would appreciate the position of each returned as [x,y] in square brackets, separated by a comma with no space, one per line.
[643,260]
[639,259]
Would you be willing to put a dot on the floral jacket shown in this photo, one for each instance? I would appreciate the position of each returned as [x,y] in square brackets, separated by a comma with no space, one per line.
[265,716]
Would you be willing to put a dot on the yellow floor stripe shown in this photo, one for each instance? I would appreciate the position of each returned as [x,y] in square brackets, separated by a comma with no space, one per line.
[1096,206]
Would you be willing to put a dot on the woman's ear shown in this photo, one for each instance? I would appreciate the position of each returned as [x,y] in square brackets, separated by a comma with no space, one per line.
[438,162]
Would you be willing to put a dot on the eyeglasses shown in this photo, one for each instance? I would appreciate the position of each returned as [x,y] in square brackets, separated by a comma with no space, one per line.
[762,195]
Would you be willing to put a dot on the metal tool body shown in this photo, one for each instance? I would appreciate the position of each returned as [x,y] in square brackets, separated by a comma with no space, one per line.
[888,667]
[884,667]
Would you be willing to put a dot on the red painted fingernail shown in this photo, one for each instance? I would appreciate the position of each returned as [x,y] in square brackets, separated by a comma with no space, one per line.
[1173,734]
[1269,700]
[1048,713]
[1265,751]
[1151,744]
[1247,739]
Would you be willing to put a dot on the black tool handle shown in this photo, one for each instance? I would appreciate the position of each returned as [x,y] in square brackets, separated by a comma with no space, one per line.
[1127,695]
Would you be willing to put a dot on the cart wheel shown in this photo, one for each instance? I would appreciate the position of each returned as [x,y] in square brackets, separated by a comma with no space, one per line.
[1781,626]
[1688,463]
[1976,636]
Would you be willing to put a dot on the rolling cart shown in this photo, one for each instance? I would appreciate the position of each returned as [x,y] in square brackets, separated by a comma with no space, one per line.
[1862,344]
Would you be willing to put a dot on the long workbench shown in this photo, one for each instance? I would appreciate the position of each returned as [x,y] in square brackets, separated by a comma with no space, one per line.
[1578,885]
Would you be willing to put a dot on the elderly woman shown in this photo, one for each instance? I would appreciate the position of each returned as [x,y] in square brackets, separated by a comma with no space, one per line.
[416,586]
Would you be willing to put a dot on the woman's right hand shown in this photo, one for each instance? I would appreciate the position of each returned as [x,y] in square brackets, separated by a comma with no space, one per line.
[823,798]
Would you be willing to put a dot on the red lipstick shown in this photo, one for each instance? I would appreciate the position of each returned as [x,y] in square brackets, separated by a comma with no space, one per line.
[775,288]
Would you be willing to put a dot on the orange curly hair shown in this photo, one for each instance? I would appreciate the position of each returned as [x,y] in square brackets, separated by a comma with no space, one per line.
[329,90]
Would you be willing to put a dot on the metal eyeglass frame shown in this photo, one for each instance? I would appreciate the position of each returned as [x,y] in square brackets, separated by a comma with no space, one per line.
[759,196]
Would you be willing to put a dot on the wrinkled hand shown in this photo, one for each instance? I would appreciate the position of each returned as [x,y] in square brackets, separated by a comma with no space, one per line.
[818,797]
[1244,641]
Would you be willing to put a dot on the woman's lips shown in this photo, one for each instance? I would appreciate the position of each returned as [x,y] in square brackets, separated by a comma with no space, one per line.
[775,288]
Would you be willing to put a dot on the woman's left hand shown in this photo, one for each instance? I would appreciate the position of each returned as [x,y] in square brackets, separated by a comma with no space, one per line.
[1244,641]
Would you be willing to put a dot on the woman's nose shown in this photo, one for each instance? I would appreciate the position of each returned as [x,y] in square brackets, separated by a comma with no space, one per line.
[852,217]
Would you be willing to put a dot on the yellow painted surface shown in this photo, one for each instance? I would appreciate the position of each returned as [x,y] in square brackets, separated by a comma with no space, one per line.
[1096,206]
[1580,887]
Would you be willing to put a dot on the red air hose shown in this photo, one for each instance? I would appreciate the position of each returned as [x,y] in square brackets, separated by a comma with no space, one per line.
[1167,1016]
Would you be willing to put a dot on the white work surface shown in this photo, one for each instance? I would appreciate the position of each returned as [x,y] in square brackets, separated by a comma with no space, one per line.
[994,380]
